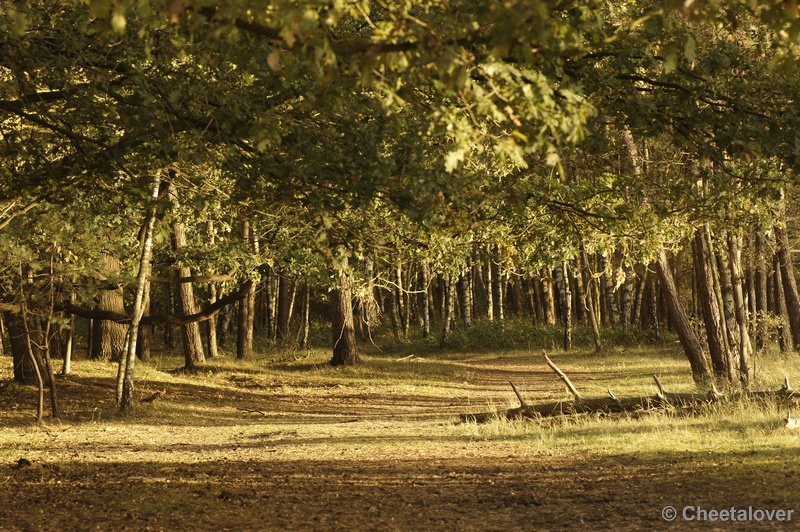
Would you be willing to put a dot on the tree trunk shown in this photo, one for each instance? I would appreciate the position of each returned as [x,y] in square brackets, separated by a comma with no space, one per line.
[761,291]
[489,287]
[565,293]
[169,336]
[680,321]
[25,369]
[498,290]
[66,369]
[406,297]
[125,384]
[517,296]
[192,340]
[789,283]
[636,318]
[449,310]
[392,301]
[784,331]
[211,324]
[549,300]
[345,351]
[109,337]
[369,303]
[306,325]
[626,297]
[730,326]
[582,263]
[740,309]
[720,358]
[247,310]
[144,341]
[651,293]
[423,300]
[608,289]
[464,299]
[284,302]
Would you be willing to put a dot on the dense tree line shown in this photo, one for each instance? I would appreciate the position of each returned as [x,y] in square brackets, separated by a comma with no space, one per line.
[213,173]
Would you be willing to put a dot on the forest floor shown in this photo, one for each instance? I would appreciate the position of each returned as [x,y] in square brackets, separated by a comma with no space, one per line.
[293,444]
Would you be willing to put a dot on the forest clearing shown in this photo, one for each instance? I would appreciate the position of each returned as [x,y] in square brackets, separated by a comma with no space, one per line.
[397,265]
[300,445]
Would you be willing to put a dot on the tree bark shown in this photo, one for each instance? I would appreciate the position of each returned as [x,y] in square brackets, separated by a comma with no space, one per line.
[392,301]
[211,326]
[423,300]
[784,332]
[246,324]
[345,351]
[125,383]
[464,299]
[193,352]
[626,297]
[109,337]
[730,326]
[789,283]
[489,287]
[284,302]
[549,300]
[712,319]
[583,271]
[144,341]
[608,289]
[565,296]
[761,290]
[740,309]
[680,320]
[25,368]
[449,310]
[306,325]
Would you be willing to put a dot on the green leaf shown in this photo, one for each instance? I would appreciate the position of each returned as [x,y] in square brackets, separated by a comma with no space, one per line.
[671,56]
[690,48]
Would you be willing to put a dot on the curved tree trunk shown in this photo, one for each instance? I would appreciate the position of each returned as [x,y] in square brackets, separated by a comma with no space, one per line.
[345,351]
[680,321]
[789,283]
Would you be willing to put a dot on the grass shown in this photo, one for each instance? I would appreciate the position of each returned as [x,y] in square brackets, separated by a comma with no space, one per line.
[284,431]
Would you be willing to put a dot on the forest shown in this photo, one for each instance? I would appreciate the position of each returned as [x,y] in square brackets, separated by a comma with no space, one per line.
[281,192]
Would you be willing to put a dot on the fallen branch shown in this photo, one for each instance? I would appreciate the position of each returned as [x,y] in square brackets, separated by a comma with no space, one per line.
[614,405]
[563,377]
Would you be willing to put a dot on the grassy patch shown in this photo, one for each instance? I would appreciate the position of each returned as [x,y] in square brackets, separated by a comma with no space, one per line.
[247,443]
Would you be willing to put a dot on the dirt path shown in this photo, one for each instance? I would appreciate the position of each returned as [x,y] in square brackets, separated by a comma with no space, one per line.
[248,453]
